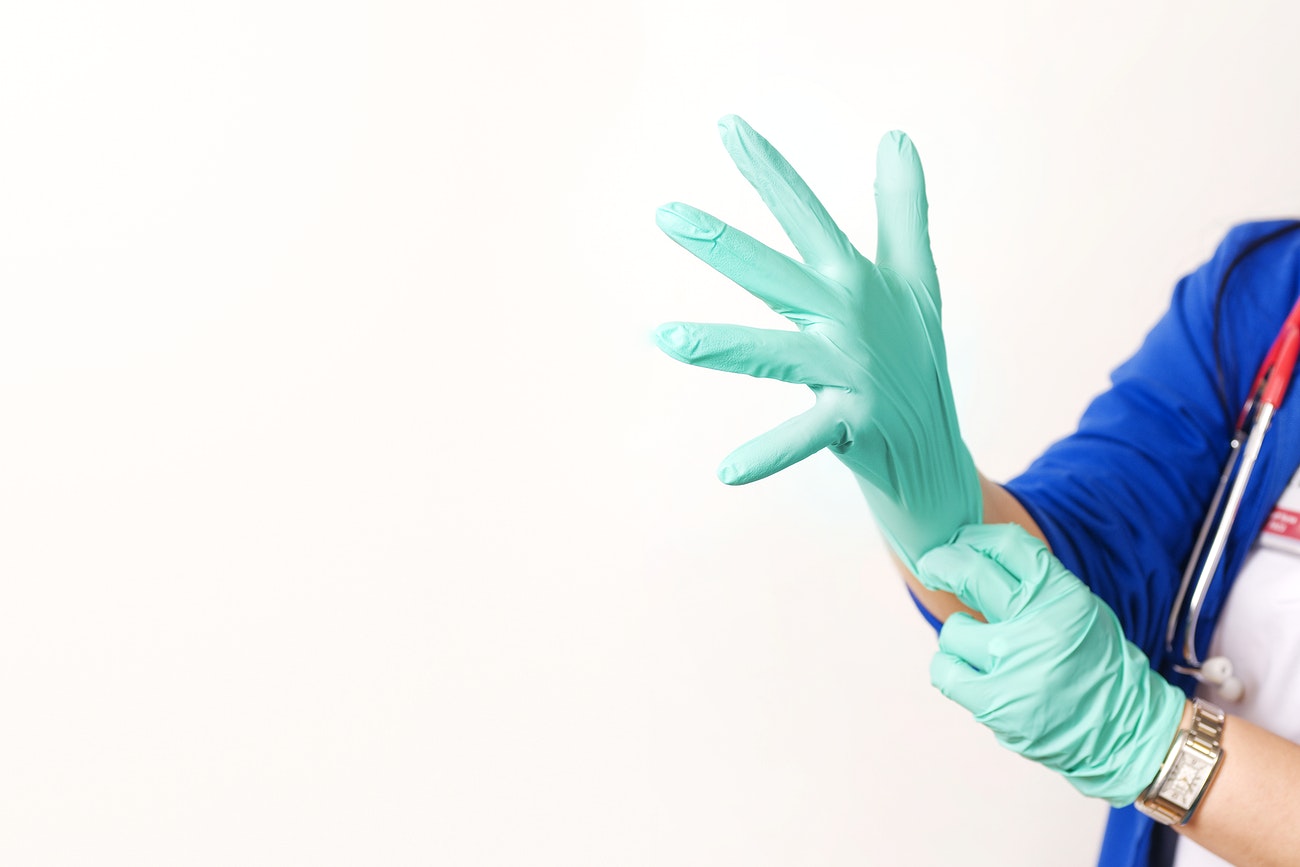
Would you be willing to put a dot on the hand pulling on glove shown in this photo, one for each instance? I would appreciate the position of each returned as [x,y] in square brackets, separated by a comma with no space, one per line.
[1050,673]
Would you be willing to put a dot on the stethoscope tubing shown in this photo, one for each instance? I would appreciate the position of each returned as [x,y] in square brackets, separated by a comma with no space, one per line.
[1265,396]
[1248,455]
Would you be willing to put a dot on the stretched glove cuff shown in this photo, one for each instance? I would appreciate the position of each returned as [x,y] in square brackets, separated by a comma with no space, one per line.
[929,510]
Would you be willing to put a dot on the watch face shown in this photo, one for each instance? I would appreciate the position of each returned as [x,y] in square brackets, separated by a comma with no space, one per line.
[1186,779]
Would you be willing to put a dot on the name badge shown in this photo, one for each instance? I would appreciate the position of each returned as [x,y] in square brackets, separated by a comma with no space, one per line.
[1282,529]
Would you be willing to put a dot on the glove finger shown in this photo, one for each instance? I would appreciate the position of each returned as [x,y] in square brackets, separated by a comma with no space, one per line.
[782,446]
[974,578]
[790,356]
[967,639]
[790,288]
[1020,553]
[902,213]
[957,681]
[805,221]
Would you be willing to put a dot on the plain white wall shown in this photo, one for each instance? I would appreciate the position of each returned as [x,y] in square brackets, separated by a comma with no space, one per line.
[348,516]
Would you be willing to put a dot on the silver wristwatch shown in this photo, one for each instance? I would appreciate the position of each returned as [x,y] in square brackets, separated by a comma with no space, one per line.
[1188,770]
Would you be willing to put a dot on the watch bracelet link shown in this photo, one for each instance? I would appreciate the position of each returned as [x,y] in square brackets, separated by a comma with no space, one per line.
[1198,743]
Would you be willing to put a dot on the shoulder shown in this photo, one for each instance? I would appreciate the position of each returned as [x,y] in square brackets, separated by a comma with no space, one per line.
[1254,277]
[1255,251]
[1249,281]
[1259,232]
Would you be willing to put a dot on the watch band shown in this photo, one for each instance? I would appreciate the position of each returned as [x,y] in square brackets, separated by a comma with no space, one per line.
[1188,769]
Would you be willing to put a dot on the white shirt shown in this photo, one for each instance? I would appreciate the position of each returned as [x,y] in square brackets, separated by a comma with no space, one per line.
[1259,631]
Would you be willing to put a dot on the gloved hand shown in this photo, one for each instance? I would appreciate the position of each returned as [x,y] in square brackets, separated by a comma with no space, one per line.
[869,343]
[1051,673]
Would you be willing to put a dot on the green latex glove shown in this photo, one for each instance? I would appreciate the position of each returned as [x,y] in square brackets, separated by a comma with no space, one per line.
[869,343]
[1051,673]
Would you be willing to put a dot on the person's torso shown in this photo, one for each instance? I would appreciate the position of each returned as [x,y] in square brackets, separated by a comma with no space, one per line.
[1259,631]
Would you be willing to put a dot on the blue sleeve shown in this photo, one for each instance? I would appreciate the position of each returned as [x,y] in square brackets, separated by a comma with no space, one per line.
[925,612]
[1121,498]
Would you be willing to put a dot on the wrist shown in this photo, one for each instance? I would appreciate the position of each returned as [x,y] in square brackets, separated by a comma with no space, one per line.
[1186,720]
[928,511]
[1154,718]
[1189,767]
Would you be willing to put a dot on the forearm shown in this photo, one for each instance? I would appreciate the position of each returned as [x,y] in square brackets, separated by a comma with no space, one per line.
[1000,507]
[1247,816]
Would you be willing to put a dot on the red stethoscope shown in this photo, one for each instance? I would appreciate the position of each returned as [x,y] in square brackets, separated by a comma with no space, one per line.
[1264,398]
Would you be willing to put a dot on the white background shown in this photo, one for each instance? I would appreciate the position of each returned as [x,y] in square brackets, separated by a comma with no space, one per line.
[348,515]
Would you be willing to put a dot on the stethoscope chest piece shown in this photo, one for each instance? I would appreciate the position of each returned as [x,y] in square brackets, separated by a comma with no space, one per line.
[1217,672]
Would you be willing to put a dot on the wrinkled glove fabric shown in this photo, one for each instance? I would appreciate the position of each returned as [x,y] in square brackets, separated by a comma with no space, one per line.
[868,341]
[1050,673]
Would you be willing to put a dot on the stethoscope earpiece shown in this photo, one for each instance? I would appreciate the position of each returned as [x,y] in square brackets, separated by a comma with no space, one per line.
[1232,689]
[1217,672]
